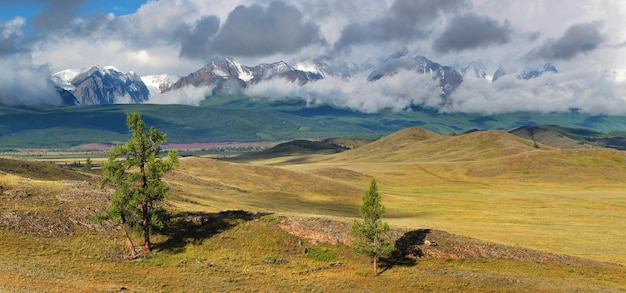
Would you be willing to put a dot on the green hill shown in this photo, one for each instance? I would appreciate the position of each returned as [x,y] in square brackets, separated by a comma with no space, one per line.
[242,119]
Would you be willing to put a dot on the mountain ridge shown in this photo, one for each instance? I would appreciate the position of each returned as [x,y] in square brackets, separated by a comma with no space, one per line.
[226,75]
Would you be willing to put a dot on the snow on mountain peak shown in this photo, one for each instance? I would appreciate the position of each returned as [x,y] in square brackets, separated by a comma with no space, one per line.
[63,78]
[112,68]
[156,84]
[309,66]
[243,73]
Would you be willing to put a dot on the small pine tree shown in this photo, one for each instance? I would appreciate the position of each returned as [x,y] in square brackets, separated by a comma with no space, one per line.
[368,235]
[88,164]
[139,191]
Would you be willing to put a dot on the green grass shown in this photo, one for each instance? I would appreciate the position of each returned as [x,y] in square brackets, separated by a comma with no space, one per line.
[237,119]
[321,254]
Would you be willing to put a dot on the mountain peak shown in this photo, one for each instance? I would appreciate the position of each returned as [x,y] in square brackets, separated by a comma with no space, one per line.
[158,83]
[226,74]
[448,78]
[537,71]
[102,85]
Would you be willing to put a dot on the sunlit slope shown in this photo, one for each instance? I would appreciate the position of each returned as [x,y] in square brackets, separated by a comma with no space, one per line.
[419,145]
[209,185]
[549,136]
[494,185]
[492,154]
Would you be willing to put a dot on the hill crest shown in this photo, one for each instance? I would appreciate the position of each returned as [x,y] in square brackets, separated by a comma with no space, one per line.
[418,144]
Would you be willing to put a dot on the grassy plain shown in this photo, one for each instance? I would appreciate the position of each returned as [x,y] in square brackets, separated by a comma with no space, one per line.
[489,185]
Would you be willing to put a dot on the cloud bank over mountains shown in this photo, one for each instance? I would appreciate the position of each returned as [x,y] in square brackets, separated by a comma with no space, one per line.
[585,40]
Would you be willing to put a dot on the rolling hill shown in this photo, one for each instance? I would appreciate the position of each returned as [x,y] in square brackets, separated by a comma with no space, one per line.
[540,219]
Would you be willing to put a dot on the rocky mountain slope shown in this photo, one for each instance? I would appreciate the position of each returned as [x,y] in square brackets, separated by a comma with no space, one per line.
[103,85]
[225,75]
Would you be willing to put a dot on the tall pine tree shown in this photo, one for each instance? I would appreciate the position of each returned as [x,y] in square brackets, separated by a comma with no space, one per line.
[136,169]
[369,234]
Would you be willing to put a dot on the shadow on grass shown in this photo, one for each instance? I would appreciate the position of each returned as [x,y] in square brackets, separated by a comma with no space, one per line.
[406,251]
[188,228]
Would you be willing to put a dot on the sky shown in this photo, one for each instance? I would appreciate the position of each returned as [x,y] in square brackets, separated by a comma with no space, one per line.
[584,39]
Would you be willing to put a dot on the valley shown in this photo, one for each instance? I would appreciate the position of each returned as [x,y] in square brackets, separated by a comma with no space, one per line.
[508,213]
[254,146]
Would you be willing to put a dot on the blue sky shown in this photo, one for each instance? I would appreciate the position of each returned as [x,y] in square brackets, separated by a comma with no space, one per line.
[28,9]
[584,39]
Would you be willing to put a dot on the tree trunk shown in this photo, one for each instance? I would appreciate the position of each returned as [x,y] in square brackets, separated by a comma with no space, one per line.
[131,246]
[145,224]
[375,267]
[144,211]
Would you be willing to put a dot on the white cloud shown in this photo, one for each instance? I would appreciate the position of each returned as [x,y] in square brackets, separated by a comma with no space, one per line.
[149,42]
[190,95]
[21,83]
[357,93]
[587,91]
[12,27]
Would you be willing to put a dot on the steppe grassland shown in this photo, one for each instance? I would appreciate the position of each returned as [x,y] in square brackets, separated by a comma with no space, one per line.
[572,203]
[91,260]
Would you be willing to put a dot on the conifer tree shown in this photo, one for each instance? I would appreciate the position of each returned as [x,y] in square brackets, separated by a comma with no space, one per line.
[88,164]
[369,235]
[136,169]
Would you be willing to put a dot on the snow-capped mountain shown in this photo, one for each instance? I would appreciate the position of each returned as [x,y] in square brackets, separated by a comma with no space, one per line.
[62,79]
[449,79]
[529,73]
[474,69]
[500,72]
[102,85]
[312,67]
[227,75]
[537,72]
[156,84]
[108,85]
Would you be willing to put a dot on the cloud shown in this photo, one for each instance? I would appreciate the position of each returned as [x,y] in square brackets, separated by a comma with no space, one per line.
[190,95]
[197,40]
[587,91]
[56,15]
[470,31]
[578,38]
[178,36]
[405,20]
[357,93]
[10,31]
[21,83]
[254,31]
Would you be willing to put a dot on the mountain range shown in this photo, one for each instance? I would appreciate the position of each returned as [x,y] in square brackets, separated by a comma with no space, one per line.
[223,75]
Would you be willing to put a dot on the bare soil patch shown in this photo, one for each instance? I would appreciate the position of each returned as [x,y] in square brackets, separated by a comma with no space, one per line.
[424,243]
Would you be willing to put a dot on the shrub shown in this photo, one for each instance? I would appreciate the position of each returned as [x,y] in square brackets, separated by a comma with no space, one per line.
[321,254]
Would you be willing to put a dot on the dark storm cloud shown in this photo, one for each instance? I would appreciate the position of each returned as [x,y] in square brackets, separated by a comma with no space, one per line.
[471,31]
[196,41]
[405,20]
[56,14]
[8,47]
[578,38]
[9,34]
[254,31]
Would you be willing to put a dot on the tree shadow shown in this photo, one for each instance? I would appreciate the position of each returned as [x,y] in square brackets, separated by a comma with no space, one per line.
[406,251]
[186,228]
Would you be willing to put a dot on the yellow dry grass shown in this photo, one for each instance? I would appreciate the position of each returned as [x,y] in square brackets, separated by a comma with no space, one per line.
[489,185]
